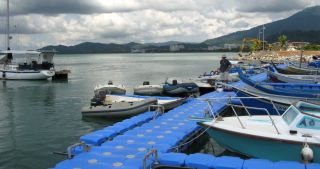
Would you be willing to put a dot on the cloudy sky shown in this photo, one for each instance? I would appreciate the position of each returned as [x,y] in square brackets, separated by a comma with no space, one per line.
[37,23]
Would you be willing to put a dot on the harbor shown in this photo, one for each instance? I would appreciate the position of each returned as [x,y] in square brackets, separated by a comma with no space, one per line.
[157,85]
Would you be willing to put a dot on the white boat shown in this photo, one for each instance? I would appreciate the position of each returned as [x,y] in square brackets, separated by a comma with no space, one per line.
[146,89]
[279,77]
[110,88]
[271,137]
[124,106]
[27,65]
[24,65]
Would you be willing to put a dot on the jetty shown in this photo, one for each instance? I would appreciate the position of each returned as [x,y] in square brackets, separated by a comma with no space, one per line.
[158,140]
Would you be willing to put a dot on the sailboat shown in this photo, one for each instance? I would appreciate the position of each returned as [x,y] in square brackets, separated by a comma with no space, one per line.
[24,65]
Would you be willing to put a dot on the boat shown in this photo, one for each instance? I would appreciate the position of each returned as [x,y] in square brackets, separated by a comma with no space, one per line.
[275,76]
[146,89]
[24,65]
[286,137]
[168,103]
[264,87]
[116,106]
[174,87]
[110,88]
[302,70]
[126,105]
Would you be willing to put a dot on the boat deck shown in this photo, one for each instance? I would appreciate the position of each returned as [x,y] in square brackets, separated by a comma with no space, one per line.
[125,144]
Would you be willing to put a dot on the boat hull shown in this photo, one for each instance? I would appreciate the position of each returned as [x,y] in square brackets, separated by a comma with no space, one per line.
[26,75]
[306,79]
[148,91]
[119,109]
[260,147]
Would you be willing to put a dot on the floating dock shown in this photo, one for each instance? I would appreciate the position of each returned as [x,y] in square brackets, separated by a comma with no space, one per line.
[127,144]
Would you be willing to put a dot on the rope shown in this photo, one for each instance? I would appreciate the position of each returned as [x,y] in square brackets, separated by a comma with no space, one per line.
[177,147]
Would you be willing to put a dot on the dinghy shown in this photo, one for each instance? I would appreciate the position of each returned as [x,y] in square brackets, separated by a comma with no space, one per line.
[292,136]
[126,105]
[110,88]
[174,87]
[116,106]
[146,89]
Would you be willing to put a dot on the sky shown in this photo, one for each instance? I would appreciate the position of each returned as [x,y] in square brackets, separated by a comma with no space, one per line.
[38,23]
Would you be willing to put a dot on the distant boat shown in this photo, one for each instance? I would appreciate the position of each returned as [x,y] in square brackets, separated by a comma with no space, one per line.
[24,65]
[110,88]
[146,89]
[271,137]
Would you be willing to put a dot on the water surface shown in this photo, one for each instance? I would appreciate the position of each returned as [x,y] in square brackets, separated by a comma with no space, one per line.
[39,117]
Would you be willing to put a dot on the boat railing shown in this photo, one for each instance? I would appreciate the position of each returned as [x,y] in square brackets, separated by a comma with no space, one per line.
[210,103]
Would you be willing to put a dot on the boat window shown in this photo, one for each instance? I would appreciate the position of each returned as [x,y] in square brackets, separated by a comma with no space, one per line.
[290,115]
[309,123]
[309,108]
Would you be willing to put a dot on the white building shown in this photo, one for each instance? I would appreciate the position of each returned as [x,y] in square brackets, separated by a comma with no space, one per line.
[176,47]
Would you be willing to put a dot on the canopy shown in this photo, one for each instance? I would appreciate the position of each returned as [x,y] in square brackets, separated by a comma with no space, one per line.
[20,51]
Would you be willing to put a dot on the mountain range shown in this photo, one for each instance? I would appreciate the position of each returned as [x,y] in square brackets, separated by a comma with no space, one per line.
[302,26]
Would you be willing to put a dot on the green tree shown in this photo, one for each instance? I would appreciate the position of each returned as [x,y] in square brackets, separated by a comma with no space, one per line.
[282,39]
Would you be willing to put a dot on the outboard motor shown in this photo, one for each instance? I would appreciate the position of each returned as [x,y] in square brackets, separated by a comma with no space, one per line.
[98,99]
[146,83]
[110,82]
[174,82]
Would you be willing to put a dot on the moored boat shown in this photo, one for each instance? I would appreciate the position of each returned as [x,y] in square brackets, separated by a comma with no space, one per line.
[271,137]
[146,89]
[173,87]
[116,106]
[274,75]
[110,88]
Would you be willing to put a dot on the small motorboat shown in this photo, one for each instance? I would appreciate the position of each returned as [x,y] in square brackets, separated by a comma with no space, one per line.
[110,88]
[146,89]
[292,136]
[174,87]
[116,106]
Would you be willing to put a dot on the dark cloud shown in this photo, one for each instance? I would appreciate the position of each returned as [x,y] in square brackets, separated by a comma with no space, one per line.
[271,5]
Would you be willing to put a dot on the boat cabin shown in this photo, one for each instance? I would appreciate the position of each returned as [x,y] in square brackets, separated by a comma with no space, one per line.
[303,117]
[27,60]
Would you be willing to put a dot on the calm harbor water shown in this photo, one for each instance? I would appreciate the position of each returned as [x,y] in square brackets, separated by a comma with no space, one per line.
[40,117]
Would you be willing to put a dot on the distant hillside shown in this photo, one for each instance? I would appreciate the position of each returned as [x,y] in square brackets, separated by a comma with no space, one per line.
[301,26]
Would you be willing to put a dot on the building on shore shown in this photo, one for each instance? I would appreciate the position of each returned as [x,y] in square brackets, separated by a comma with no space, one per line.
[176,47]
[231,46]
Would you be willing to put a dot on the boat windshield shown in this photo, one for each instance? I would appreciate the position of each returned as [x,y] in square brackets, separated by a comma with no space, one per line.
[290,115]
[309,108]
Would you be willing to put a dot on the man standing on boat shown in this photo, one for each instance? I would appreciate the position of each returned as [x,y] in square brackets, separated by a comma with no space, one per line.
[225,66]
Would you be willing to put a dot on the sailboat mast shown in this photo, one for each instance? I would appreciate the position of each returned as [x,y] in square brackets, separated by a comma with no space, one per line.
[8,26]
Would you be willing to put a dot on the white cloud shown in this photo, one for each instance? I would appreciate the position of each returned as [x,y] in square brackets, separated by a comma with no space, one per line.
[73,21]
